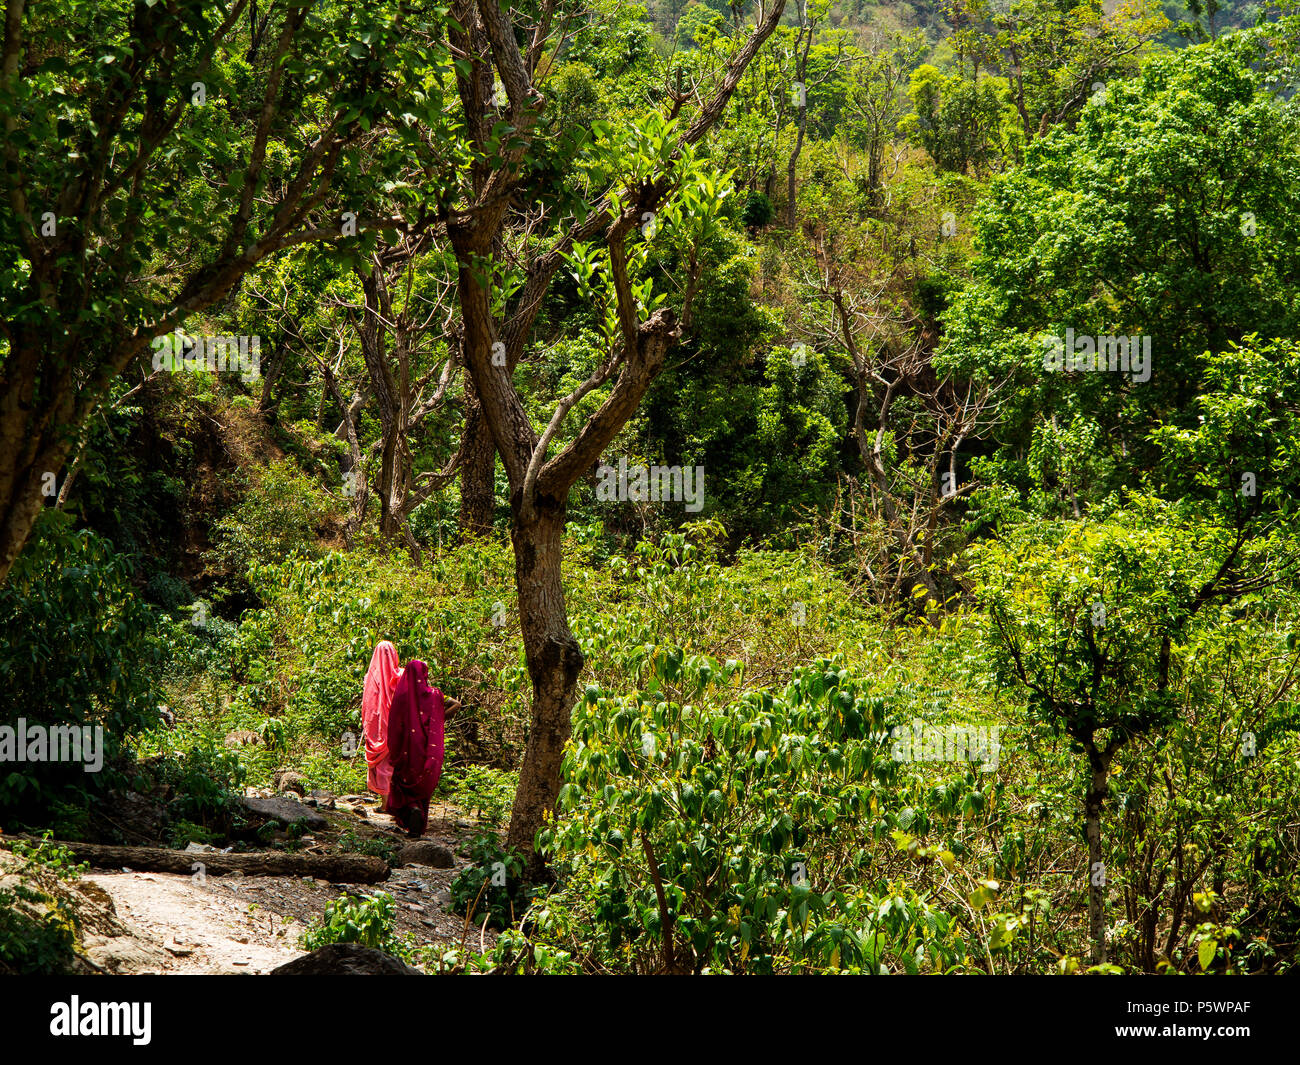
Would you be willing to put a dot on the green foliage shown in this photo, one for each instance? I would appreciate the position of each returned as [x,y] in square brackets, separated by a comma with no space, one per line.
[46,856]
[741,808]
[38,929]
[205,782]
[1084,615]
[1177,193]
[77,649]
[31,946]
[758,211]
[491,888]
[481,790]
[364,919]
[699,24]
[282,513]
[961,124]
[352,842]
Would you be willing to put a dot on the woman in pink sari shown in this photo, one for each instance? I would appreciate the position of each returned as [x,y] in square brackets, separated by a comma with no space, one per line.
[415,747]
[376,699]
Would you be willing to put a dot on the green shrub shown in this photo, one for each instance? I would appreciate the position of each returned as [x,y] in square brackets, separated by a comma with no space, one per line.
[205,782]
[492,885]
[480,790]
[367,920]
[281,514]
[32,945]
[77,648]
[758,210]
[351,842]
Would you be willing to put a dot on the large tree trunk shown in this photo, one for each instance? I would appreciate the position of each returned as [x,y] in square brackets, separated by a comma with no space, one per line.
[554,663]
[37,434]
[478,474]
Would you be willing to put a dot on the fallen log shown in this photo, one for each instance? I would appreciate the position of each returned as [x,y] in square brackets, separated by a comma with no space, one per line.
[339,868]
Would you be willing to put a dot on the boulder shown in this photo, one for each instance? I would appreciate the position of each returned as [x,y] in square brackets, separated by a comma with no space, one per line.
[106,943]
[345,959]
[285,811]
[426,852]
[288,780]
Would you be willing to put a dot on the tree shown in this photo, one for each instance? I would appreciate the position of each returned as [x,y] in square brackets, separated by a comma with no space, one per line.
[632,175]
[1093,619]
[406,394]
[909,422]
[1090,619]
[146,168]
[809,21]
[1169,215]
[958,122]
[1053,55]
[875,99]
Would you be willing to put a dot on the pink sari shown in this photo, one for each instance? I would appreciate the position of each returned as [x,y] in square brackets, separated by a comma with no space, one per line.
[415,741]
[376,700]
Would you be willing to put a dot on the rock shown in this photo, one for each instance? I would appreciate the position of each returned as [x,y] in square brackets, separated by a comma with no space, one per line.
[123,954]
[242,738]
[425,852]
[345,959]
[136,817]
[107,943]
[288,780]
[286,811]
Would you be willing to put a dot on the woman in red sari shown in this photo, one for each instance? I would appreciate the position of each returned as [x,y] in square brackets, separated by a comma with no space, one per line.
[415,746]
[376,698]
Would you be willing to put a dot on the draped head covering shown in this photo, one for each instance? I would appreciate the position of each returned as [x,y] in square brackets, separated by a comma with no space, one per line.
[376,699]
[415,746]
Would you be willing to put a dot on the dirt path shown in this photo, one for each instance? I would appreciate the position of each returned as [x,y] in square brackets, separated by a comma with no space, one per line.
[202,928]
[239,924]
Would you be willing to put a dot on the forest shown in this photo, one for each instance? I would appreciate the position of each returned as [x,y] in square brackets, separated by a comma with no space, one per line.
[835,459]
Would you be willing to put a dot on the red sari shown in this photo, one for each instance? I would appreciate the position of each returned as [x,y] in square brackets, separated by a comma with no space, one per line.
[415,747]
[376,700]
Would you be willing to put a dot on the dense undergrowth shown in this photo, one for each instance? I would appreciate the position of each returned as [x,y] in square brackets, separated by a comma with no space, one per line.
[747,789]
